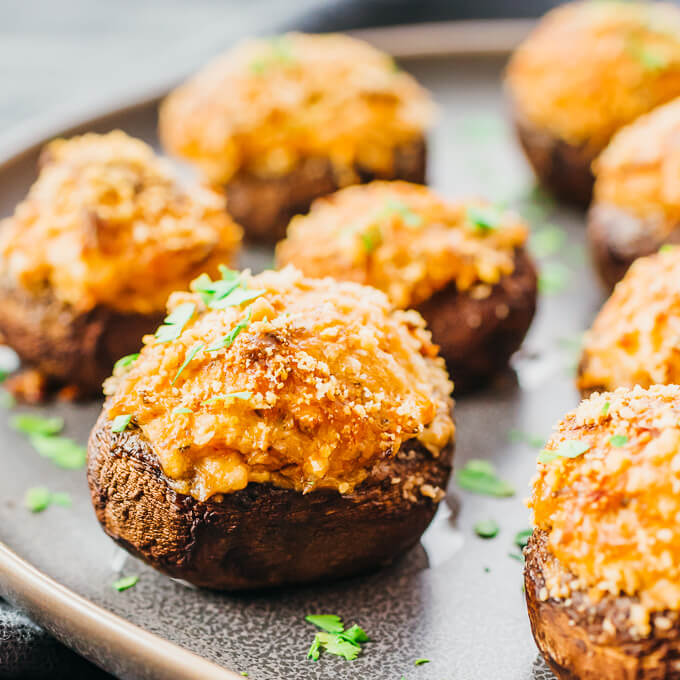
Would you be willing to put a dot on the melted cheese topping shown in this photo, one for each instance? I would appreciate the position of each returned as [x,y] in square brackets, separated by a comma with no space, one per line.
[106,223]
[329,380]
[612,514]
[640,169]
[634,339]
[591,67]
[404,240]
[267,104]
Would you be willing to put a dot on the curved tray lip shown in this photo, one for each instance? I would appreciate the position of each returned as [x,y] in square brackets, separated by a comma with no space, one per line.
[61,611]
[71,617]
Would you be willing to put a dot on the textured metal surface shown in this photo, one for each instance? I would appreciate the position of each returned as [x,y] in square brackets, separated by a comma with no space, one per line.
[456,599]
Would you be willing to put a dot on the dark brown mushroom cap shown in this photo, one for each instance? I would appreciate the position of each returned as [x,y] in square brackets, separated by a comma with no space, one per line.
[261,536]
[585,640]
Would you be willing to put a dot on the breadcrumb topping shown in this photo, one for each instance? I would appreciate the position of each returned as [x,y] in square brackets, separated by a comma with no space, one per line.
[591,67]
[267,104]
[639,170]
[612,513]
[323,380]
[403,239]
[106,223]
[634,338]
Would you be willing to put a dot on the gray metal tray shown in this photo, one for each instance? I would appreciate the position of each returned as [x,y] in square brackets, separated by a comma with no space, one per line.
[456,599]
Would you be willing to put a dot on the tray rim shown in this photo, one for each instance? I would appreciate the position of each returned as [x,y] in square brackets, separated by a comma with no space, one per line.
[61,611]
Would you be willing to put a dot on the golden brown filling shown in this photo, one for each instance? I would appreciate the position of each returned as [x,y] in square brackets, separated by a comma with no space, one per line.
[106,224]
[608,497]
[634,339]
[591,67]
[299,382]
[404,240]
[267,104]
[639,170]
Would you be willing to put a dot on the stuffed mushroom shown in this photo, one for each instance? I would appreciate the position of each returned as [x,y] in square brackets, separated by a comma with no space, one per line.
[89,257]
[462,265]
[602,574]
[636,200]
[280,122]
[588,69]
[275,430]
[634,338]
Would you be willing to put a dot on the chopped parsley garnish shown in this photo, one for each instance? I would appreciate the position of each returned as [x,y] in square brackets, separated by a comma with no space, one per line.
[410,218]
[420,662]
[553,278]
[667,248]
[371,239]
[32,424]
[62,451]
[605,409]
[334,639]
[479,476]
[125,361]
[280,52]
[534,440]
[487,528]
[331,623]
[547,241]
[618,440]
[484,219]
[236,298]
[570,448]
[180,409]
[522,537]
[517,556]
[650,59]
[121,422]
[174,323]
[228,339]
[39,498]
[229,395]
[195,349]
[124,583]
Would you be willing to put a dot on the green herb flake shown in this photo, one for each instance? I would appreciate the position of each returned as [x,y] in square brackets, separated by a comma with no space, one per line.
[547,241]
[37,499]
[121,422]
[667,248]
[32,424]
[125,362]
[371,238]
[484,219]
[236,298]
[174,323]
[650,59]
[355,634]
[605,409]
[62,451]
[125,583]
[179,410]
[487,528]
[618,440]
[315,650]
[553,278]
[335,644]
[228,340]
[409,217]
[331,623]
[517,556]
[479,476]
[420,662]
[522,538]
[195,349]
[570,448]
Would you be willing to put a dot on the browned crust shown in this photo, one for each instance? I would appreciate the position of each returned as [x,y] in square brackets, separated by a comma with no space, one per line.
[562,168]
[617,238]
[68,347]
[478,337]
[578,645]
[261,536]
[264,207]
